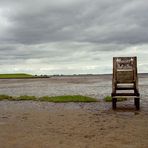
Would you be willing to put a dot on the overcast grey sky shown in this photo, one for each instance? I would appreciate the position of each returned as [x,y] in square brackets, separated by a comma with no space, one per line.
[71,36]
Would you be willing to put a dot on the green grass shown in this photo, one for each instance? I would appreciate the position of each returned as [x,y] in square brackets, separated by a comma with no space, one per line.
[16,75]
[75,98]
[5,97]
[25,97]
[56,99]
[109,99]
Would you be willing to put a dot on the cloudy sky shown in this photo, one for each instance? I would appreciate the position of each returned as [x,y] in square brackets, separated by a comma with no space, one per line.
[71,36]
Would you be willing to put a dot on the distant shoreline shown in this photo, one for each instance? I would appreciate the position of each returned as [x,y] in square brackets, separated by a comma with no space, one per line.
[27,76]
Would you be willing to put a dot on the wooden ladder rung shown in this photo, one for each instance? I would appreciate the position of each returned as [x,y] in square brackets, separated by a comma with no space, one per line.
[124,88]
[125,94]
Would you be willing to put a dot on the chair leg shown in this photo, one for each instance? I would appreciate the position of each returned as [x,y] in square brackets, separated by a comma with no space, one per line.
[114,100]
[137,103]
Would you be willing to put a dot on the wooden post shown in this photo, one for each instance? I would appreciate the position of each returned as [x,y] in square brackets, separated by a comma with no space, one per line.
[114,100]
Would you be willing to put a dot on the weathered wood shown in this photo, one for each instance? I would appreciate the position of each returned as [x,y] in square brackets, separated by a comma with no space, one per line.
[125,78]
[124,88]
[114,100]
[137,103]
[125,94]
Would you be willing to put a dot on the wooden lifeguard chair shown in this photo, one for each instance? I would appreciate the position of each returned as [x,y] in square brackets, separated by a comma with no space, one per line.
[125,80]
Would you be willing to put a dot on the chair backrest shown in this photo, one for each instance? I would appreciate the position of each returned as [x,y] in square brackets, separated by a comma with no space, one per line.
[125,69]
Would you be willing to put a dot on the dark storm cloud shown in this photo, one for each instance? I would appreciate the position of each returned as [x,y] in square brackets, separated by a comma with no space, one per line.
[83,21]
[71,32]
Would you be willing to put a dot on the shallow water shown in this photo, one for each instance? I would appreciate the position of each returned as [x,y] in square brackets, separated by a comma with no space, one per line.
[89,86]
[94,86]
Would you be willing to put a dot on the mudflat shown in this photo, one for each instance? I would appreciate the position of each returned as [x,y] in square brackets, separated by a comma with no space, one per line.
[28,124]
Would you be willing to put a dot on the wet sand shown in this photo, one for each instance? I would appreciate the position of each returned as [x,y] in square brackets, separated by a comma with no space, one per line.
[28,124]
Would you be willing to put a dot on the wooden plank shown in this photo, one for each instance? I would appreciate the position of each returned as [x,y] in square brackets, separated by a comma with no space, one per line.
[125,77]
[124,88]
[125,94]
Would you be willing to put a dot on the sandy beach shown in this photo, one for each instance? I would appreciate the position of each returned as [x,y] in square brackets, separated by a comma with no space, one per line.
[28,124]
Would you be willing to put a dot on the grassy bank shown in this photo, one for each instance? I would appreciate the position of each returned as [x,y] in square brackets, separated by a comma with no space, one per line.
[56,99]
[15,76]
[109,99]
[75,98]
